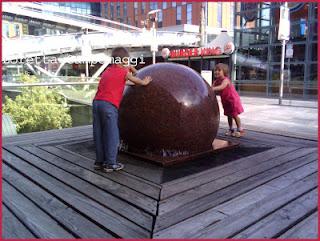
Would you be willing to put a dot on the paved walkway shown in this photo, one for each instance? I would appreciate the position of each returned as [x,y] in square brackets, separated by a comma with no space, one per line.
[294,118]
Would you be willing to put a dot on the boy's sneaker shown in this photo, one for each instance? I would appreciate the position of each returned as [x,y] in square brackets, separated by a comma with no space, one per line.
[229,132]
[111,168]
[97,166]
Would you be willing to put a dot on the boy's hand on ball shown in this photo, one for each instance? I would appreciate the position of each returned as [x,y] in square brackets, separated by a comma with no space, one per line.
[147,80]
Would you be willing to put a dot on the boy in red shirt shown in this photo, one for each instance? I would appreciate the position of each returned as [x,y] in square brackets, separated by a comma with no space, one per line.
[105,110]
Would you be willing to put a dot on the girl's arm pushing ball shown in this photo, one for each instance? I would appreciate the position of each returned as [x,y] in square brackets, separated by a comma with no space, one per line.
[220,87]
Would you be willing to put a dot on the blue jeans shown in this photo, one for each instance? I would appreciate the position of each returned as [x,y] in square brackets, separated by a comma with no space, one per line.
[105,131]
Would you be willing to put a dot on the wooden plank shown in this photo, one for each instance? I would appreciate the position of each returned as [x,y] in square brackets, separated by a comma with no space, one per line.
[191,181]
[307,229]
[54,134]
[244,141]
[231,225]
[280,220]
[235,205]
[69,218]
[62,140]
[95,192]
[131,196]
[297,174]
[226,180]
[12,228]
[57,138]
[111,221]
[143,170]
[138,184]
[46,134]
[268,129]
[303,142]
[194,224]
[190,226]
[39,222]
[228,192]
[139,168]
[53,140]
[277,140]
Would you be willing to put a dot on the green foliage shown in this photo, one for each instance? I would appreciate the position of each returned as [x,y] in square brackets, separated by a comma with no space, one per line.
[37,109]
[27,79]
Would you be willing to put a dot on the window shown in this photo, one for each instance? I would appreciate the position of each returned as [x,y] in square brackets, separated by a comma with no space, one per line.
[298,31]
[5,30]
[17,30]
[231,15]
[135,6]
[314,52]
[143,7]
[219,15]
[251,74]
[313,74]
[178,19]
[265,17]
[173,4]
[160,19]
[111,10]
[93,8]
[153,5]
[189,13]
[183,3]
[164,5]
[125,11]
[118,9]
[106,9]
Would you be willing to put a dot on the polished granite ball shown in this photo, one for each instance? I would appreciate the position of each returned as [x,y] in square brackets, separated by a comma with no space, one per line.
[176,115]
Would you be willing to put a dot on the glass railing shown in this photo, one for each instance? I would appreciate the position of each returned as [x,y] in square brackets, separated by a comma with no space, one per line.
[61,102]
[291,89]
[51,103]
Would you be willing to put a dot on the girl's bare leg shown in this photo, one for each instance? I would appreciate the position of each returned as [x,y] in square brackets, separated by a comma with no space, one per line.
[238,123]
[230,131]
[230,122]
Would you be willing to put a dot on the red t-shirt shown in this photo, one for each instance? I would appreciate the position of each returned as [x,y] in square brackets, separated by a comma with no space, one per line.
[112,84]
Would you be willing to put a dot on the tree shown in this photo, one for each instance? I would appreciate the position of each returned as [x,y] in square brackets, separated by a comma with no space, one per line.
[37,108]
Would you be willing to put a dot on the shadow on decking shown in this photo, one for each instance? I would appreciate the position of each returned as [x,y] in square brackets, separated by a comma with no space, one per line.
[159,174]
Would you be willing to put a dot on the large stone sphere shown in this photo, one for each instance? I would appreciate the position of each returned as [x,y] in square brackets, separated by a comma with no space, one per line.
[177,114]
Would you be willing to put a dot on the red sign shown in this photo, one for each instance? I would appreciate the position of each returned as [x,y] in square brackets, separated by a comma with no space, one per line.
[194,52]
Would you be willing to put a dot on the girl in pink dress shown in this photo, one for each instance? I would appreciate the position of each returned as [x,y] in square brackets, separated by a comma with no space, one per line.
[229,97]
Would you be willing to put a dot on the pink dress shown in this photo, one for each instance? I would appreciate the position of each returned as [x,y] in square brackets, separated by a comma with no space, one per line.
[230,99]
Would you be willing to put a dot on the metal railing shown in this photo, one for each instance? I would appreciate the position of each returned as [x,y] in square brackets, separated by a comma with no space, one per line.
[27,47]
[292,89]
[76,101]
[104,37]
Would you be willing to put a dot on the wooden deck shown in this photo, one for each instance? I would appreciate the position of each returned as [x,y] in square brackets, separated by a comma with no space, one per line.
[265,189]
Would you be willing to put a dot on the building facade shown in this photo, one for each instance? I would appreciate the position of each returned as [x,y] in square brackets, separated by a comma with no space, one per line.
[14,26]
[90,8]
[135,13]
[258,50]
[219,14]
